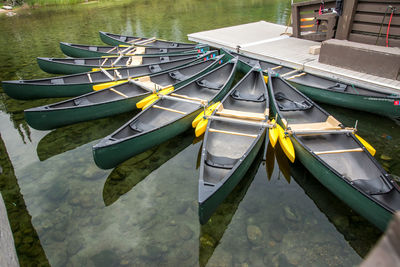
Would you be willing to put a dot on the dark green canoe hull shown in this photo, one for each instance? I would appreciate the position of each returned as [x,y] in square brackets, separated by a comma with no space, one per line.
[374,104]
[111,41]
[35,91]
[72,51]
[61,68]
[207,208]
[110,156]
[50,119]
[361,203]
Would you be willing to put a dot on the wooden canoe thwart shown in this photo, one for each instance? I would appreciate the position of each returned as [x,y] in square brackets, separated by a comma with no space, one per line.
[338,158]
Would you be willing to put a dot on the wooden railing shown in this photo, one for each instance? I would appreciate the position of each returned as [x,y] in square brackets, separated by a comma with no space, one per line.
[305,16]
[369,22]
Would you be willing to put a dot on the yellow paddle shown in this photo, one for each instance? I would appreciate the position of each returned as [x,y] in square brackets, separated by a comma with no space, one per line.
[273,134]
[101,86]
[208,111]
[145,102]
[370,149]
[286,143]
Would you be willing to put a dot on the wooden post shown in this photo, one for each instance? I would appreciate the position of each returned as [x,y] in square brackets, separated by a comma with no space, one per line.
[345,23]
[296,21]
[8,255]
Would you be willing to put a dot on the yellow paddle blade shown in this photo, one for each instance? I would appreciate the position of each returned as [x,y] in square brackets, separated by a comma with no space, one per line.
[370,149]
[121,45]
[147,101]
[150,102]
[98,69]
[101,86]
[266,79]
[209,111]
[273,134]
[109,56]
[286,144]
[201,127]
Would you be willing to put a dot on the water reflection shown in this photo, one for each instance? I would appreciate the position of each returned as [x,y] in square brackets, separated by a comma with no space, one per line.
[212,232]
[128,174]
[27,243]
[70,137]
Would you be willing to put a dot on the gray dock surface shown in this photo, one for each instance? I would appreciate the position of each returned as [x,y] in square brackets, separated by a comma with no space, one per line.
[271,42]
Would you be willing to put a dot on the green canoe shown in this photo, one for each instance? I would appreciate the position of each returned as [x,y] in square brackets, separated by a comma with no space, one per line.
[79,65]
[334,154]
[114,100]
[235,133]
[165,118]
[334,92]
[78,50]
[117,39]
[78,84]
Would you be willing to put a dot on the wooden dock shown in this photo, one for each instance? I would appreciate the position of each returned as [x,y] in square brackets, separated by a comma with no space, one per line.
[271,42]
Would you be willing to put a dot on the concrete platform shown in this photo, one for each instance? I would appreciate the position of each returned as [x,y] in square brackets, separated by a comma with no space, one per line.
[270,42]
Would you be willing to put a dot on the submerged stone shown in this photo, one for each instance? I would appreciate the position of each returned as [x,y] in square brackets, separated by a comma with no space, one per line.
[290,214]
[254,234]
[185,232]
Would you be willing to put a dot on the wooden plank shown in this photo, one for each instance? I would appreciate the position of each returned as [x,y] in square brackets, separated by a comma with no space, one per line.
[346,20]
[375,7]
[374,28]
[296,21]
[169,109]
[376,18]
[338,151]
[366,39]
[241,114]
[232,133]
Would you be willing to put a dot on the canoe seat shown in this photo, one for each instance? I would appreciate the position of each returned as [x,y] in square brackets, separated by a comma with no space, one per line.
[177,75]
[155,68]
[134,61]
[330,124]
[209,85]
[138,126]
[79,61]
[164,59]
[247,97]
[340,87]
[82,101]
[122,38]
[92,48]
[373,186]
[220,162]
[174,45]
[162,51]
[57,81]
[241,114]
[286,104]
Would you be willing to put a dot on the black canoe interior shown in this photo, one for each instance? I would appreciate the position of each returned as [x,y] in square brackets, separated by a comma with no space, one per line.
[149,50]
[97,62]
[132,90]
[326,84]
[293,101]
[157,43]
[153,118]
[99,76]
[357,167]
[223,150]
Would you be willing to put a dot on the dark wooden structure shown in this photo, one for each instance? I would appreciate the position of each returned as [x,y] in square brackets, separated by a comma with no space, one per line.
[362,21]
